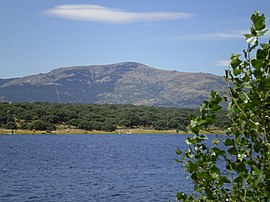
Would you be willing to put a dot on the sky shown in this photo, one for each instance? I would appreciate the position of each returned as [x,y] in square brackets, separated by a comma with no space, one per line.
[188,36]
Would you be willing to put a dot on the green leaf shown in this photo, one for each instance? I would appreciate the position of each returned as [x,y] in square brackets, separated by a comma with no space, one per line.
[258,73]
[264,45]
[193,141]
[233,151]
[229,142]
[237,71]
[262,32]
[193,167]
[252,40]
[194,123]
[257,64]
[216,108]
[248,36]
[238,180]
[195,128]
[235,62]
[225,179]
[262,54]
[179,152]
[215,141]
[189,154]
[258,21]
[240,157]
[181,196]
[219,152]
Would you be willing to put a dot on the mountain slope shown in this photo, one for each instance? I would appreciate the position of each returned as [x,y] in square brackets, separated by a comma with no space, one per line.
[122,83]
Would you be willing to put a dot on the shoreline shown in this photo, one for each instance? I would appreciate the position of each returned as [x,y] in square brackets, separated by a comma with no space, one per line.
[117,132]
[83,132]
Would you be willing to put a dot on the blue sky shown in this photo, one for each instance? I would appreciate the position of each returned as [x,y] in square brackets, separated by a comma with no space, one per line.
[190,36]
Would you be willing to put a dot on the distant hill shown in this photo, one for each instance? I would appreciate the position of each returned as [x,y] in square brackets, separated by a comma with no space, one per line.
[121,83]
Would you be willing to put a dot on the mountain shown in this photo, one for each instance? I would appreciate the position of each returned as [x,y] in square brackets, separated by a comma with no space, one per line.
[121,83]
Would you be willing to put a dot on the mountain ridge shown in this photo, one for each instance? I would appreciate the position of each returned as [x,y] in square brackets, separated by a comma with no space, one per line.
[120,83]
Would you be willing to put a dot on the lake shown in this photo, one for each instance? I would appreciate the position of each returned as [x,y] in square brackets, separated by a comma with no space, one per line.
[91,168]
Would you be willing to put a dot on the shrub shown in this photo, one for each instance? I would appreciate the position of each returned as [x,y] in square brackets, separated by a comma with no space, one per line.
[41,125]
[11,125]
[245,149]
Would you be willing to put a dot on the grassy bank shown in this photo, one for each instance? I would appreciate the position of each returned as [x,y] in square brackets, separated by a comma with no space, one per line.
[78,131]
[119,131]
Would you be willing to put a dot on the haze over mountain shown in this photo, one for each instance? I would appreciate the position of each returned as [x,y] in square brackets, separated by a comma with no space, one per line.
[121,83]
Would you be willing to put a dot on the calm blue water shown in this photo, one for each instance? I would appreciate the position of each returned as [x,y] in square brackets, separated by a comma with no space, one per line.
[90,168]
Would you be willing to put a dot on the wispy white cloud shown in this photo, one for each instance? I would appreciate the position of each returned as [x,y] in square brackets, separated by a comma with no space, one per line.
[213,36]
[96,13]
[217,36]
[222,63]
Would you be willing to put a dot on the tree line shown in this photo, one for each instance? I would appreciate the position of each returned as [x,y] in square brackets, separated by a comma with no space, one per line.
[101,117]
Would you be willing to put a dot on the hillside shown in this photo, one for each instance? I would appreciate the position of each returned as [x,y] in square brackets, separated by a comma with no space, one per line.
[122,83]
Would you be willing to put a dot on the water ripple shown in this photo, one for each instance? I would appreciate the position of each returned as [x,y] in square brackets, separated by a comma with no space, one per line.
[90,168]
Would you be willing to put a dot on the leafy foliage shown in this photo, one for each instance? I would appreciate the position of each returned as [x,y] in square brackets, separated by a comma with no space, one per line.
[235,167]
[41,125]
[48,116]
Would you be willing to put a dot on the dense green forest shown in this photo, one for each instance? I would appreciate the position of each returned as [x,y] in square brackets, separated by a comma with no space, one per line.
[101,117]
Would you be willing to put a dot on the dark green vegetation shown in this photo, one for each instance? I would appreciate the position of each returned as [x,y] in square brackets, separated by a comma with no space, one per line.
[47,116]
[122,83]
[235,167]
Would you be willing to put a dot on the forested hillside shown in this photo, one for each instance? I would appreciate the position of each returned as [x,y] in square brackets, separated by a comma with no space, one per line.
[102,117]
